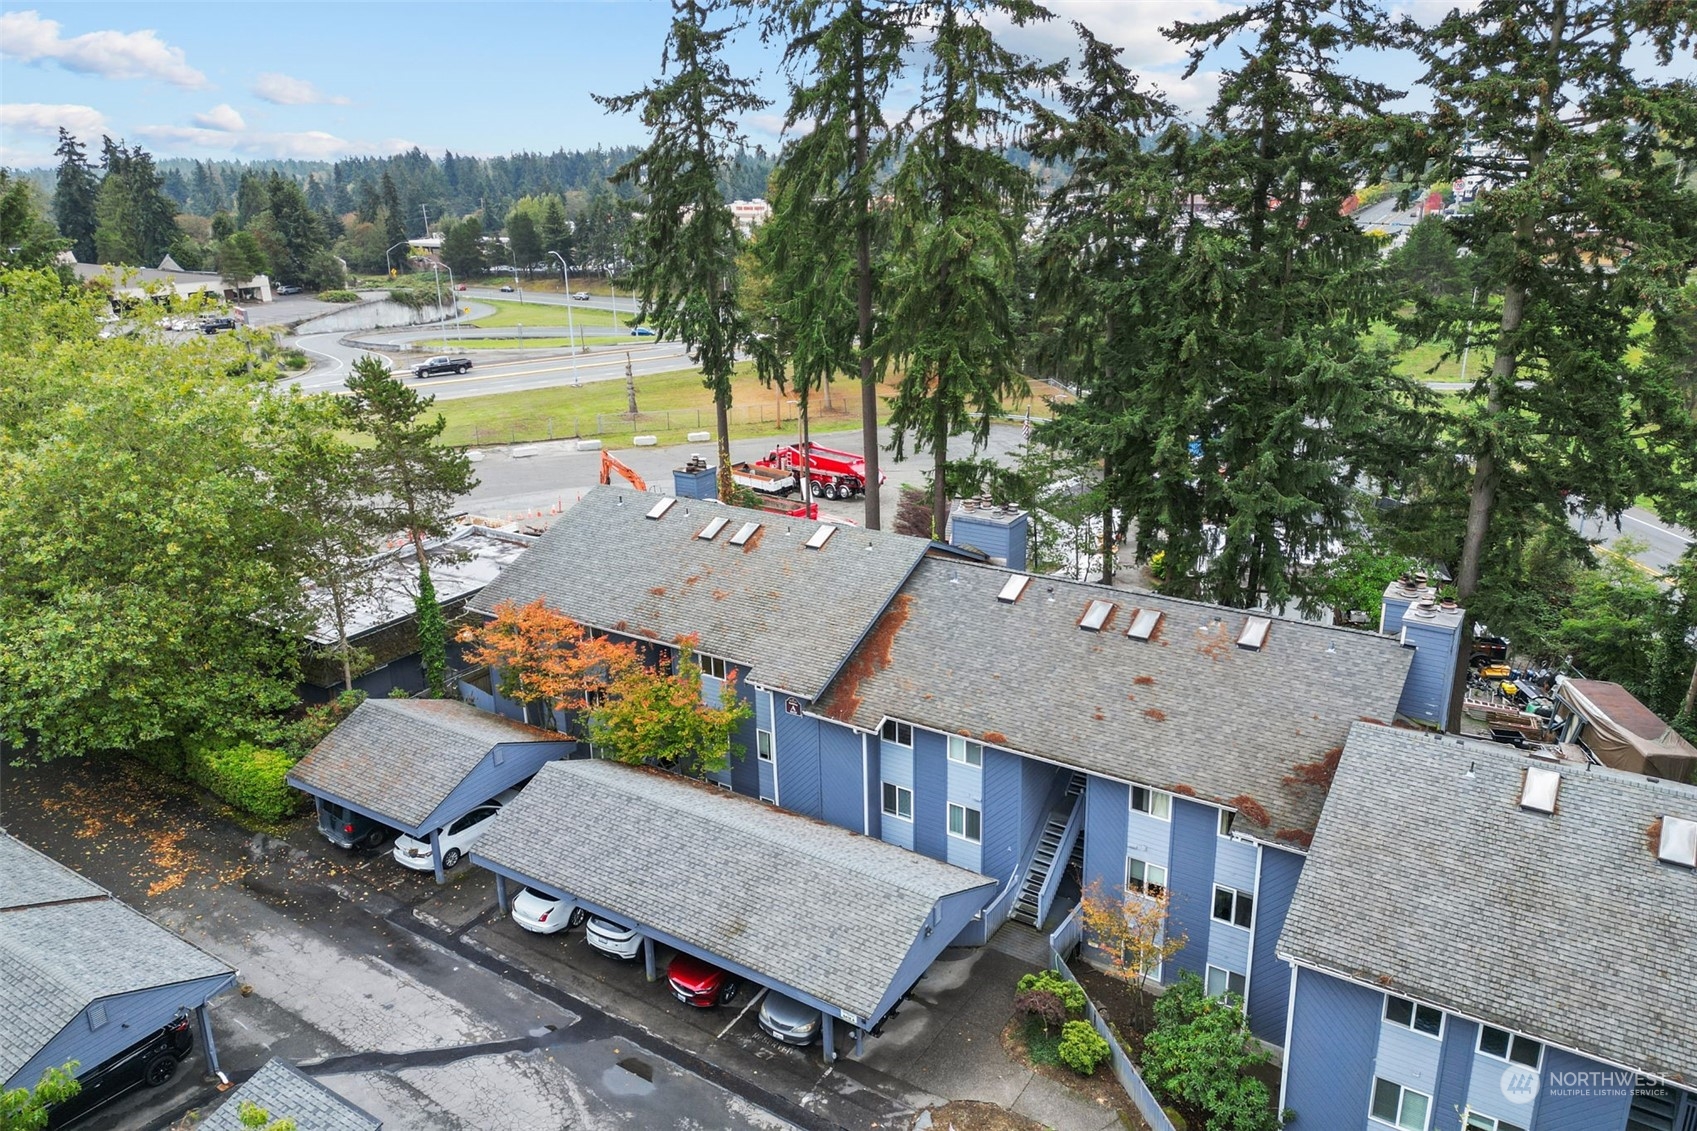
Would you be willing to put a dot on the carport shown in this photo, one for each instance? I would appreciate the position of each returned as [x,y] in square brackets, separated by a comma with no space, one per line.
[418,764]
[840,921]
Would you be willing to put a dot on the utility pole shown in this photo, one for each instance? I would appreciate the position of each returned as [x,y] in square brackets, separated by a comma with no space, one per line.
[630,386]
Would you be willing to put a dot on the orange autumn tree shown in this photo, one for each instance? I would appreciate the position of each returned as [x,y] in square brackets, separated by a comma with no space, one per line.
[547,658]
[658,718]
[1129,929]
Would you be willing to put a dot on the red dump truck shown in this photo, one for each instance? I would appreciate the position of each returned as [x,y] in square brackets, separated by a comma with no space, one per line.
[834,474]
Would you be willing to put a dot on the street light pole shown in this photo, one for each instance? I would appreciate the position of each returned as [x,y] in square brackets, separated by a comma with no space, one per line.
[571,327]
[453,297]
[387,262]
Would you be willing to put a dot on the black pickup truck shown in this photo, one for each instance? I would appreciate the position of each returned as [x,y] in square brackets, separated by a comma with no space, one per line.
[432,366]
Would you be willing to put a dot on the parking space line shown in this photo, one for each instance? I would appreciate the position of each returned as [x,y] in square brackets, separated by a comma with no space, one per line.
[751,1004]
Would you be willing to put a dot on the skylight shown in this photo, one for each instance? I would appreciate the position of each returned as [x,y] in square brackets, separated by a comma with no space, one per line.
[711,530]
[820,537]
[1254,633]
[1013,588]
[1539,792]
[743,535]
[1679,842]
[1096,615]
[659,509]
[1144,623]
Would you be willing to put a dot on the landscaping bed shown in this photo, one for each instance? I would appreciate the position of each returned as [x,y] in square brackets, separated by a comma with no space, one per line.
[1025,1041]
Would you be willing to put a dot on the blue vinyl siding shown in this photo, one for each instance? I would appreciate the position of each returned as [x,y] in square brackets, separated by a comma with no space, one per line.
[129,1018]
[1592,1109]
[518,762]
[896,767]
[1004,825]
[1106,804]
[842,794]
[1408,1058]
[1037,784]
[1426,692]
[1455,1067]
[930,794]
[1228,948]
[1485,1093]
[1269,981]
[799,783]
[1150,839]
[1190,879]
[745,770]
[1234,864]
[1330,1055]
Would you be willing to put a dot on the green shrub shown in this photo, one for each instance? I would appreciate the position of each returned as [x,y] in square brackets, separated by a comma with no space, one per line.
[247,776]
[337,296]
[1069,993]
[1041,1005]
[1082,1048]
[1200,1053]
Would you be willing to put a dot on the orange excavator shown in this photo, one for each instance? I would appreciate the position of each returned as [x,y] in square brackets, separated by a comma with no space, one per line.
[611,463]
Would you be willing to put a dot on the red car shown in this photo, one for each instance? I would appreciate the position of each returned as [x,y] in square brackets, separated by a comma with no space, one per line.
[699,983]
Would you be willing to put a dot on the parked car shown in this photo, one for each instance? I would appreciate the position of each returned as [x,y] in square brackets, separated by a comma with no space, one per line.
[151,1061]
[461,287]
[581,296]
[433,366]
[345,828]
[788,1020]
[216,323]
[699,983]
[611,939]
[455,839]
[288,289]
[545,914]
[642,331]
[506,288]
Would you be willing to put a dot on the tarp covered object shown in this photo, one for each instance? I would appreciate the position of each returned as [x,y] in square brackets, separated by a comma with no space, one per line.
[1623,733]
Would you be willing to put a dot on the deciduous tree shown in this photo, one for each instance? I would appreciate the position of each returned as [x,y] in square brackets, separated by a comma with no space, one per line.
[25,1109]
[547,659]
[656,717]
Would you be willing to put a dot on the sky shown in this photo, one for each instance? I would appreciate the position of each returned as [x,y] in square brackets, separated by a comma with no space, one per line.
[249,79]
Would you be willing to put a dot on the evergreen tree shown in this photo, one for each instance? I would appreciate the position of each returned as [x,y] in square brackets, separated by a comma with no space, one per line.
[552,229]
[523,241]
[27,238]
[462,248]
[74,192]
[959,208]
[843,57]
[394,223]
[686,275]
[1580,226]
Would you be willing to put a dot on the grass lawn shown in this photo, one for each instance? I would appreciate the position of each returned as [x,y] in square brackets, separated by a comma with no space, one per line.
[599,337]
[529,314]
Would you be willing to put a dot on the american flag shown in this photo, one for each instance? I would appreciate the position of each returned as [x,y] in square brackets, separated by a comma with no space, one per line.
[1025,431]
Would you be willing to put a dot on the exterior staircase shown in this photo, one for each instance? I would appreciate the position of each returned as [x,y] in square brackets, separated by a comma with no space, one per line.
[1055,845]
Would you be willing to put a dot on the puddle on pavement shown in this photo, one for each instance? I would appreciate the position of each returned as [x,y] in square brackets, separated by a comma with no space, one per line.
[631,1076]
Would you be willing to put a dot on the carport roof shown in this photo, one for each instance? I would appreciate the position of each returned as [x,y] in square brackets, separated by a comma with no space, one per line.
[402,757]
[287,1092]
[815,907]
[66,942]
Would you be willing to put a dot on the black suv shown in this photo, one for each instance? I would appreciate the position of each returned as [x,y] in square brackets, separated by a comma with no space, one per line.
[213,325]
[153,1062]
[345,828]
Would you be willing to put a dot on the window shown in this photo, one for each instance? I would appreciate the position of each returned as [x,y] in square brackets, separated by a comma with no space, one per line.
[1507,1046]
[1420,1018]
[1226,816]
[712,666]
[1233,906]
[1153,802]
[968,824]
[763,744]
[1144,877]
[899,733]
[1486,1123]
[968,753]
[1400,1106]
[1223,982]
[898,801]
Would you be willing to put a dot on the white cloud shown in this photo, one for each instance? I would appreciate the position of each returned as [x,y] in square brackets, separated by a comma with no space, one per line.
[285,90]
[305,144]
[46,118]
[221,117]
[111,54]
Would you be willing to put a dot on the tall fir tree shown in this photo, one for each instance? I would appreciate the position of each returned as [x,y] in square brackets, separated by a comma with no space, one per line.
[958,210]
[74,190]
[686,239]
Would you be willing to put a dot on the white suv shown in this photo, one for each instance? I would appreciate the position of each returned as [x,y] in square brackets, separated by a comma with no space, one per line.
[611,939]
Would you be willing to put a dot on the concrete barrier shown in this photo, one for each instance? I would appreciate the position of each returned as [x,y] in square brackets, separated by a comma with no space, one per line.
[645,441]
[589,445]
[699,437]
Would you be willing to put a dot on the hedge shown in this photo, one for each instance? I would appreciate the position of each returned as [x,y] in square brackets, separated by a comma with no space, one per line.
[247,776]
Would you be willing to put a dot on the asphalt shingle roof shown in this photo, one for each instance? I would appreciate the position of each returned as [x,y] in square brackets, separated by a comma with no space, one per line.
[56,958]
[1427,878]
[402,757]
[792,614]
[1187,710]
[286,1092]
[814,906]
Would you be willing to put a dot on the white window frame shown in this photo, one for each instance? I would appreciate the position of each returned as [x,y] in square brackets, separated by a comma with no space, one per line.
[966,753]
[1226,976]
[763,745]
[1225,827]
[1159,803]
[895,814]
[891,732]
[1238,896]
[963,810]
[1507,1057]
[1477,1122]
[1413,1016]
[1141,887]
[712,667]
[1403,1092]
